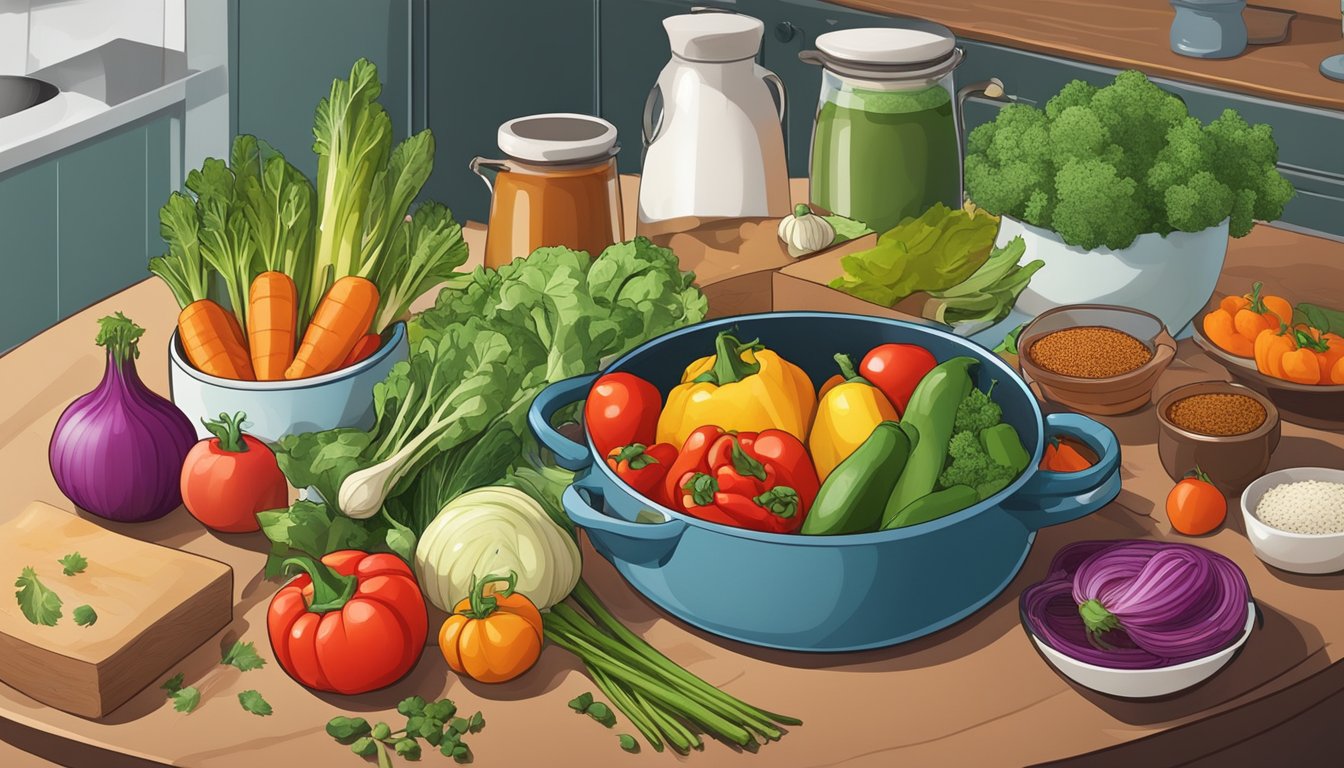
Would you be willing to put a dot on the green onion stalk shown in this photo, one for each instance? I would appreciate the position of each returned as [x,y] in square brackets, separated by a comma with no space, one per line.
[661,699]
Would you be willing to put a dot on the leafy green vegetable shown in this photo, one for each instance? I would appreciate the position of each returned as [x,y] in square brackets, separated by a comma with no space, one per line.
[173,684]
[846,229]
[989,294]
[243,656]
[39,604]
[73,563]
[581,702]
[1323,318]
[185,699]
[1100,166]
[279,203]
[347,729]
[1009,344]
[225,237]
[977,411]
[938,250]
[85,616]
[970,464]
[421,254]
[628,743]
[602,714]
[433,722]
[254,703]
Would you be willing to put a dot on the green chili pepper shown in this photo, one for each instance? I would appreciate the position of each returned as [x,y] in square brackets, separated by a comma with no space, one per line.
[933,506]
[932,410]
[854,494]
[1005,447]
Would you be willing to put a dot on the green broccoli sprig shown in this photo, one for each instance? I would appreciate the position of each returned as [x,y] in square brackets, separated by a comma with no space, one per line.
[971,465]
[977,411]
[1101,166]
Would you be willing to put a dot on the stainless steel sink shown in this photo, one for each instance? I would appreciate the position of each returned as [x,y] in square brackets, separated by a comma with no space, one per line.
[18,93]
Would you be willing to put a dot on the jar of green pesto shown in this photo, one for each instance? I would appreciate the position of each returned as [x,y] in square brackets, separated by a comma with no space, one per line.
[886,143]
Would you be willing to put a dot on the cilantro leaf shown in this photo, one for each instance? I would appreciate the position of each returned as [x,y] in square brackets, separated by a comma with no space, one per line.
[347,729]
[243,656]
[186,699]
[85,616]
[408,748]
[254,703]
[174,684]
[73,563]
[39,604]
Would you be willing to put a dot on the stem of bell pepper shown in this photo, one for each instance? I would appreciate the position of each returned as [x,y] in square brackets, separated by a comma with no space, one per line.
[847,370]
[331,590]
[729,367]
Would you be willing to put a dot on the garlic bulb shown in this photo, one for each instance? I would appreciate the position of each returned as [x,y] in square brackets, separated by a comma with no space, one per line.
[805,232]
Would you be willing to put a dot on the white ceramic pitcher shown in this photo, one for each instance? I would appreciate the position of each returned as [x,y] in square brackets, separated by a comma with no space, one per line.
[715,148]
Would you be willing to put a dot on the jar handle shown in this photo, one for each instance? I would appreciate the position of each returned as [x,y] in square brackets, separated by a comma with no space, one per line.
[650,128]
[479,165]
[772,79]
[990,89]
[812,57]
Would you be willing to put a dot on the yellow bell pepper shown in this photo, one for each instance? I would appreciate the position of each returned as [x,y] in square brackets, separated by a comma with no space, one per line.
[849,411]
[740,388]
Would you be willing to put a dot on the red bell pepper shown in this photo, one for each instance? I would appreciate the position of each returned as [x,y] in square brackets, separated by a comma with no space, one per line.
[644,468]
[758,481]
[349,624]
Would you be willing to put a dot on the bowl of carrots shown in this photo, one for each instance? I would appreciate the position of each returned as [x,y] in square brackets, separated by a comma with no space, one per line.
[1291,354]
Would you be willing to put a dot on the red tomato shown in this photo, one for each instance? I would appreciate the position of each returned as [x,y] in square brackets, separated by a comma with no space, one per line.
[228,479]
[896,370]
[1195,506]
[622,409]
[334,635]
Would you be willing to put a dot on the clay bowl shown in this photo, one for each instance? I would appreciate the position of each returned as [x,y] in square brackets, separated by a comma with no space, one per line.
[1312,405]
[1231,461]
[1107,396]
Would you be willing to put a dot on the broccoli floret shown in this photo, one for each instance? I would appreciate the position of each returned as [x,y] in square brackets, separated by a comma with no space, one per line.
[1077,93]
[1201,199]
[1097,206]
[970,464]
[977,411]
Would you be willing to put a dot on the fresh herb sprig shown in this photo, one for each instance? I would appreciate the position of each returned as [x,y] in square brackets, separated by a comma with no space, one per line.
[435,722]
[73,563]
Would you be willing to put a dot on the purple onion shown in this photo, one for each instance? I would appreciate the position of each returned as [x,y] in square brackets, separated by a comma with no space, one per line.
[118,451]
[1138,604]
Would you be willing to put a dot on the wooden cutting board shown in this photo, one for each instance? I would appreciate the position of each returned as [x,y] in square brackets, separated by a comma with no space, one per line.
[154,605]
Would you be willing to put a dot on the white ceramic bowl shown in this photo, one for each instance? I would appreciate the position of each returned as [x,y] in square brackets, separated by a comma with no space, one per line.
[274,409]
[1296,552]
[1144,683]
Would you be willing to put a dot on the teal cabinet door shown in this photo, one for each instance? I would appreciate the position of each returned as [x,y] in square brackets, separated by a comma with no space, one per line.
[28,256]
[287,53]
[103,212]
[489,62]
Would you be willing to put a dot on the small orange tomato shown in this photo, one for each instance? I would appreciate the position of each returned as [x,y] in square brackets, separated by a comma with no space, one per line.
[1194,506]
[1337,372]
[492,638]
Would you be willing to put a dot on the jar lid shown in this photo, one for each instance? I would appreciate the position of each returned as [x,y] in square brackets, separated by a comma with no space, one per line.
[886,46]
[557,137]
[714,36]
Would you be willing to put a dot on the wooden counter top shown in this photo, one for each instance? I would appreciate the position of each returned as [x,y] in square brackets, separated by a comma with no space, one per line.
[1134,34]
[975,693]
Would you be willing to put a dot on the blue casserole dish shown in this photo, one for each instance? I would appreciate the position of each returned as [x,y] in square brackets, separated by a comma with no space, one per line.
[825,593]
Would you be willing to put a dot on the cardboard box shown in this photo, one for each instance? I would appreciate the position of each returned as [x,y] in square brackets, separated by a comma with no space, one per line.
[805,286]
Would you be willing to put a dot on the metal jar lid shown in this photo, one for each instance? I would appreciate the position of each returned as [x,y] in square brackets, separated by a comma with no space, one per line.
[917,49]
[557,137]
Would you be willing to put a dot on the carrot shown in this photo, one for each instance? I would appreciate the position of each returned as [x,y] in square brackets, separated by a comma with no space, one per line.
[272,314]
[213,341]
[1068,459]
[1048,460]
[343,316]
[366,346]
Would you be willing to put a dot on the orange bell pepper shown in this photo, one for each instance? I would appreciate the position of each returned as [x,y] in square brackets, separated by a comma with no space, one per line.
[492,637]
[1239,320]
[1337,372]
[1302,355]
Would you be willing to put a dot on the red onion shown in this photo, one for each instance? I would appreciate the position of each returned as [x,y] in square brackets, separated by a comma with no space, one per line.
[1138,604]
[118,451]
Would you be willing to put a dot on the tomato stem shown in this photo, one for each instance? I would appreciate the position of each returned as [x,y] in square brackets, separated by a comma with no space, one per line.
[228,430]
[331,590]
[1198,474]
[483,605]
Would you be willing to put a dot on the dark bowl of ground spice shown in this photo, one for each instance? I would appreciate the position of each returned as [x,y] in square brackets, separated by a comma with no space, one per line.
[1227,430]
[1095,358]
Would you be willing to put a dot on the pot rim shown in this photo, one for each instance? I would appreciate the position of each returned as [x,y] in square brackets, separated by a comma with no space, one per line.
[848,539]
[393,336]
[1229,387]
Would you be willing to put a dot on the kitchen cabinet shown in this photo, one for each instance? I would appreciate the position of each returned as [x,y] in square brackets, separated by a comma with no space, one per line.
[286,54]
[28,258]
[490,62]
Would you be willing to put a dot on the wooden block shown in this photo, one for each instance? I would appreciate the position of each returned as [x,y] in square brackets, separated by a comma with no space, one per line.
[154,604]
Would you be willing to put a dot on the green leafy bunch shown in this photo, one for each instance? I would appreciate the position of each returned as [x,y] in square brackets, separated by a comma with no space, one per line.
[1101,166]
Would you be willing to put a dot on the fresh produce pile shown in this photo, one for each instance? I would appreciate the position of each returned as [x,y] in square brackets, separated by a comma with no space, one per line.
[744,441]
[313,277]
[1302,344]
[1133,604]
[950,255]
[1101,166]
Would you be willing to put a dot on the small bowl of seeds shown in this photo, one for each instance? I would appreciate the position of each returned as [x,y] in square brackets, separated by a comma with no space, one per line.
[1295,519]
[1227,430]
[1095,358]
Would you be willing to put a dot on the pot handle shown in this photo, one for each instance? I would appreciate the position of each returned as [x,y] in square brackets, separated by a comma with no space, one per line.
[649,127]
[478,163]
[568,454]
[776,85]
[637,543]
[1051,498]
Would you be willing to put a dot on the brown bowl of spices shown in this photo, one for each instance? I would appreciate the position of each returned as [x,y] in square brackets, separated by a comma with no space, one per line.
[1226,429]
[1095,358]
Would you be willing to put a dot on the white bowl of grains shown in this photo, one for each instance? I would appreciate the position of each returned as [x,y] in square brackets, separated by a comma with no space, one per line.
[1295,519]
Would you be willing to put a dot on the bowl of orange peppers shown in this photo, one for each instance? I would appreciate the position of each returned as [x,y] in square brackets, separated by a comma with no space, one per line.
[1292,354]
